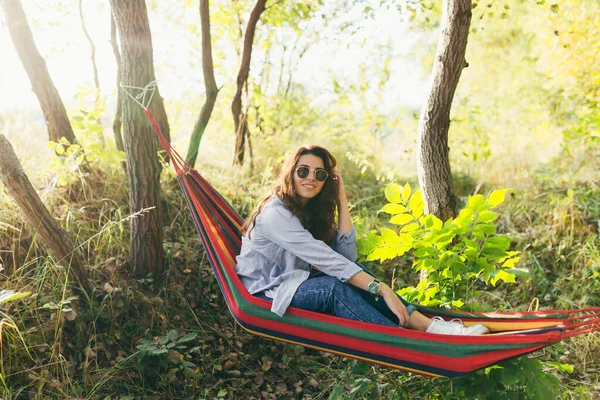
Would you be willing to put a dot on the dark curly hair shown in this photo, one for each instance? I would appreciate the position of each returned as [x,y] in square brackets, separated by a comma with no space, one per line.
[318,216]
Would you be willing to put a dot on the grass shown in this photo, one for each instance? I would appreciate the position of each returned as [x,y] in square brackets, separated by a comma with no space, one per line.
[91,349]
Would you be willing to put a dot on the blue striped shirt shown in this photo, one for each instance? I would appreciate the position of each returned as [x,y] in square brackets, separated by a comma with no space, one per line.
[278,256]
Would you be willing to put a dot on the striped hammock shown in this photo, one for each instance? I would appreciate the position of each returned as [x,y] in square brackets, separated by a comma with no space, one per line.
[513,333]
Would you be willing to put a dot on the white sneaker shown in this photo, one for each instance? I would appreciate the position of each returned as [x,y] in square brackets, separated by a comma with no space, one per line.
[455,327]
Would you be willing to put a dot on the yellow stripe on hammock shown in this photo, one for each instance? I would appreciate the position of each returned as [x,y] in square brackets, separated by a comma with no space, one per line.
[499,326]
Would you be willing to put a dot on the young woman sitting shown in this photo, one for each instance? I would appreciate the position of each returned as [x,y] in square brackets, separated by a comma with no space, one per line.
[294,229]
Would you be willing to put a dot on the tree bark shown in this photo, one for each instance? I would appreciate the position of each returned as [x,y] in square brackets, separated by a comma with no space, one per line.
[435,177]
[52,106]
[59,241]
[140,142]
[239,119]
[210,85]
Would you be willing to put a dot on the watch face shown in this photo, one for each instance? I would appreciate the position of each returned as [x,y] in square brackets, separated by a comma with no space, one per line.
[374,287]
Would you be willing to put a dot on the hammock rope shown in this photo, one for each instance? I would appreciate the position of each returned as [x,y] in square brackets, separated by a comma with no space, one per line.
[513,333]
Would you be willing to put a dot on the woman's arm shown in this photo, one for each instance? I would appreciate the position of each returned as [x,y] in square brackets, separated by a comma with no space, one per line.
[345,242]
[362,280]
[344,219]
[277,224]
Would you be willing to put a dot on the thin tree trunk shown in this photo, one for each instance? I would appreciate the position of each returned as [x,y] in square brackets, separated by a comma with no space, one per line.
[240,121]
[140,142]
[435,177]
[59,241]
[210,85]
[117,121]
[94,69]
[35,66]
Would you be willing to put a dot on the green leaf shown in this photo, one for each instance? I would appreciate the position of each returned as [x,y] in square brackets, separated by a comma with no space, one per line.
[465,217]
[487,216]
[392,193]
[409,228]
[509,378]
[485,228]
[390,237]
[476,201]
[187,338]
[431,221]
[401,219]
[393,209]
[457,303]
[11,295]
[503,275]
[493,253]
[406,239]
[382,253]
[501,242]
[562,367]
[416,204]
[471,244]
[406,192]
[360,368]
[497,197]
[431,292]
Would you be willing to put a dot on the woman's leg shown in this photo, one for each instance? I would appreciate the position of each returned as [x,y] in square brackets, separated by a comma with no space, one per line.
[329,295]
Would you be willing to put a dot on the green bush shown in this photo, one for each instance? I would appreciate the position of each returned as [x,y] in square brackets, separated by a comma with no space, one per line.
[453,255]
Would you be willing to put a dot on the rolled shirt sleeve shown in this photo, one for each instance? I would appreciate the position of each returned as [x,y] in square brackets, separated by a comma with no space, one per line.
[345,244]
[280,226]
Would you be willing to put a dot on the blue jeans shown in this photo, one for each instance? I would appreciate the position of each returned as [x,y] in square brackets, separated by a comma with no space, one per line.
[326,294]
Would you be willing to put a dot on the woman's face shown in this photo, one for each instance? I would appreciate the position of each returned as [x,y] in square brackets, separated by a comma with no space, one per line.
[308,187]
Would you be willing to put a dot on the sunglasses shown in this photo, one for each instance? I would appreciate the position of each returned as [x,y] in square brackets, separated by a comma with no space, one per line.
[320,173]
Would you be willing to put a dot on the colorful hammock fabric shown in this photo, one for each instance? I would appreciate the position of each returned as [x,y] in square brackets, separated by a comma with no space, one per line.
[218,226]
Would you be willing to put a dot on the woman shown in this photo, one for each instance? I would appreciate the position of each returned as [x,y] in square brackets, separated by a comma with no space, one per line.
[294,229]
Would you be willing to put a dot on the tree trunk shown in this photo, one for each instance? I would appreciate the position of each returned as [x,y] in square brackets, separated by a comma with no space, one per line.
[35,66]
[140,142]
[59,241]
[239,119]
[94,69]
[117,121]
[435,177]
[210,85]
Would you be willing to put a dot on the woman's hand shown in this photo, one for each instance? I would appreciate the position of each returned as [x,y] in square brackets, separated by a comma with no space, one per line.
[337,178]
[394,304]
[344,219]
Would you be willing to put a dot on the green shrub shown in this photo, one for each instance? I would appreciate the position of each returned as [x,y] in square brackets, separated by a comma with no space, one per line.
[453,255]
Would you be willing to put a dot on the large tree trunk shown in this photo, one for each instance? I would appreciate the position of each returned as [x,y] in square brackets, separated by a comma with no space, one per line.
[210,85]
[35,66]
[20,188]
[240,119]
[140,142]
[435,177]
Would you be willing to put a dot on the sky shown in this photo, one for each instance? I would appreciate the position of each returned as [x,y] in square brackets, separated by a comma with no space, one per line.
[60,40]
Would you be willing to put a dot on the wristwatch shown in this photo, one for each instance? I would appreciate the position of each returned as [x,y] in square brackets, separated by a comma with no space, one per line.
[374,286]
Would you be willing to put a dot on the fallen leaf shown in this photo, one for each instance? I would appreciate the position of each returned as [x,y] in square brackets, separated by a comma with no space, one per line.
[89,353]
[70,315]
[108,288]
